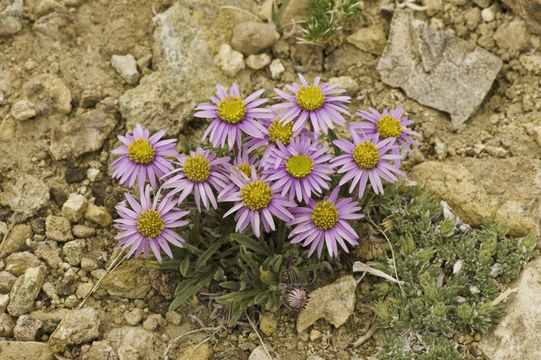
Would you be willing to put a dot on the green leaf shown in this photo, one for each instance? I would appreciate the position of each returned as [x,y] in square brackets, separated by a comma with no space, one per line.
[184,266]
[250,243]
[230,285]
[202,261]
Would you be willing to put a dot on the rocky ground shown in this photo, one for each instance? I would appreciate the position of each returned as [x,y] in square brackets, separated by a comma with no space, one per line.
[75,73]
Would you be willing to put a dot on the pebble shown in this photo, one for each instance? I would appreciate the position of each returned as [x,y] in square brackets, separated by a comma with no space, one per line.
[152,322]
[133,317]
[93,174]
[73,251]
[89,98]
[49,318]
[18,263]
[50,255]
[38,225]
[77,327]
[126,67]
[83,231]
[27,195]
[27,328]
[334,302]
[75,175]
[12,350]
[25,290]
[370,39]
[194,352]
[229,60]
[173,317]
[345,82]
[267,323]
[128,352]
[513,36]
[88,264]
[74,208]
[276,69]
[83,290]
[71,301]
[259,353]
[99,215]
[23,110]
[6,325]
[252,37]
[130,280]
[58,228]
[100,350]
[16,239]
[58,196]
[487,14]
[257,62]
[6,282]
[4,301]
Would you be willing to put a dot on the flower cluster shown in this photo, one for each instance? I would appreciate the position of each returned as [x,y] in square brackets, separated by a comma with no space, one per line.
[280,169]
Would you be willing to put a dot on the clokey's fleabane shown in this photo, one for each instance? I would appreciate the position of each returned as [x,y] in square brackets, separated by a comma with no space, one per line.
[318,103]
[256,201]
[302,170]
[143,157]
[148,224]
[198,174]
[326,222]
[388,124]
[367,159]
[233,116]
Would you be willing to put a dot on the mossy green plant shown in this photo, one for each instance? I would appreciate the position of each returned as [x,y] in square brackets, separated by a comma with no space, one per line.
[452,276]
[326,17]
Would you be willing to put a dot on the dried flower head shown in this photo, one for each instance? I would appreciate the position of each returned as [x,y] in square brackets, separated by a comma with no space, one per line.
[297,298]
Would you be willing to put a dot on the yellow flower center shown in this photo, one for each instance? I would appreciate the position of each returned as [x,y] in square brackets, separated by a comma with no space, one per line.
[197,168]
[231,109]
[245,168]
[366,155]
[279,131]
[325,215]
[256,195]
[141,151]
[389,126]
[310,98]
[299,166]
[150,223]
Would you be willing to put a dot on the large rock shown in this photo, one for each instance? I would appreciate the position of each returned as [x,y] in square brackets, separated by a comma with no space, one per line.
[16,240]
[481,189]
[143,342]
[25,290]
[77,327]
[334,302]
[84,134]
[186,39]
[25,194]
[25,350]
[17,263]
[517,336]
[530,10]
[435,68]
[253,37]
[129,280]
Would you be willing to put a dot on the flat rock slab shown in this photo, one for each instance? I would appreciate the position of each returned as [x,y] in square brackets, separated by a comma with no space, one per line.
[435,68]
[334,302]
[82,135]
[482,189]
[25,350]
[25,194]
[518,336]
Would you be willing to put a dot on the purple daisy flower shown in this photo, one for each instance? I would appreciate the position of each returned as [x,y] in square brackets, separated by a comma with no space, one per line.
[256,201]
[143,157]
[366,159]
[389,124]
[196,174]
[243,162]
[326,222]
[313,101]
[148,225]
[232,115]
[302,169]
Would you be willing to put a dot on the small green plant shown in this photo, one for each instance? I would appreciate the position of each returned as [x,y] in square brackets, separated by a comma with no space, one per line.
[452,278]
[326,18]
